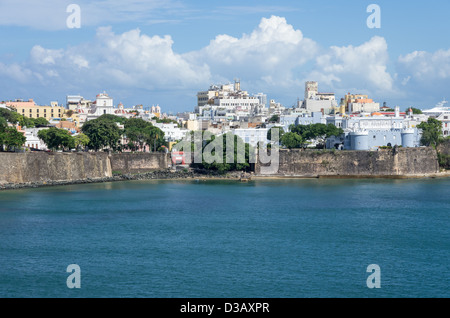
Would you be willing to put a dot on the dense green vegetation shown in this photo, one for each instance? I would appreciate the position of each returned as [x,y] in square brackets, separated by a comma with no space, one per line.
[211,152]
[10,138]
[104,132]
[238,160]
[281,132]
[431,132]
[300,134]
[15,118]
[57,139]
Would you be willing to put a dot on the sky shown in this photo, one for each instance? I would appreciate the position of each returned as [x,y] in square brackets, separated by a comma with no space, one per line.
[162,52]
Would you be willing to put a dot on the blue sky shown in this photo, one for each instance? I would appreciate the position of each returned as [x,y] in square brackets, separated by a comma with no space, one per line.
[163,52]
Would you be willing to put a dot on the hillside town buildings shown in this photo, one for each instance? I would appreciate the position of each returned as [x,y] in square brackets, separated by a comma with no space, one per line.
[224,108]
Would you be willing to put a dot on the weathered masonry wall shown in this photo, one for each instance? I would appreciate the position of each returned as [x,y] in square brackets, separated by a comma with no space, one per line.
[383,163]
[125,163]
[54,166]
[49,166]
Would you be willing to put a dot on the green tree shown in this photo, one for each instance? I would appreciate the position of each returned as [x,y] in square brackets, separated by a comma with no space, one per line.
[274,119]
[112,118]
[431,132]
[3,124]
[102,134]
[292,140]
[10,116]
[155,137]
[11,138]
[281,132]
[40,122]
[313,131]
[416,111]
[238,160]
[141,133]
[81,141]
[56,138]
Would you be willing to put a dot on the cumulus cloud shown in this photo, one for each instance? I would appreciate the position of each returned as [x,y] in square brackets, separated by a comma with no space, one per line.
[362,67]
[421,65]
[18,73]
[425,75]
[270,53]
[130,59]
[275,58]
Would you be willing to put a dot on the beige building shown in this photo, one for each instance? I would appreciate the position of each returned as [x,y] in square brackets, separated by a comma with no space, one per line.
[31,110]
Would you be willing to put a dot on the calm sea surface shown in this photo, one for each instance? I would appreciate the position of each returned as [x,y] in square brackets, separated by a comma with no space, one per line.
[224,239]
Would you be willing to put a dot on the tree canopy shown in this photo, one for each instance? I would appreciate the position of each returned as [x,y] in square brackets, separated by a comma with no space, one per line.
[15,118]
[56,138]
[281,132]
[141,133]
[11,138]
[216,157]
[431,132]
[316,131]
[274,119]
[292,140]
[102,133]
[416,111]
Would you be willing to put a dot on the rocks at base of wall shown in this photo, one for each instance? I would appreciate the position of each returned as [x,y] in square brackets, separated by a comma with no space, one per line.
[156,175]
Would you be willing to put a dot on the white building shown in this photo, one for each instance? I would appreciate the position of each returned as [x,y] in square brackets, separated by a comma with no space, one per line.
[252,136]
[318,102]
[171,131]
[103,105]
[228,102]
[32,139]
[442,113]
[363,107]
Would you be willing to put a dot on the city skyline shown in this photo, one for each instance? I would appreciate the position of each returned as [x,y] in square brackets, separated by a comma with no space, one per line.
[164,52]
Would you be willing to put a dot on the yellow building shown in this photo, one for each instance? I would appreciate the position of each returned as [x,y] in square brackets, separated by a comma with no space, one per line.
[31,110]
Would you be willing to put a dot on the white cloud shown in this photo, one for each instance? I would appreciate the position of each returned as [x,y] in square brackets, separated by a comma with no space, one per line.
[272,51]
[130,59]
[274,58]
[361,67]
[17,73]
[421,65]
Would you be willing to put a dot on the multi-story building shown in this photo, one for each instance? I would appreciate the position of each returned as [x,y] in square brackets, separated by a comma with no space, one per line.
[441,113]
[228,102]
[171,131]
[252,136]
[318,102]
[31,110]
[75,101]
[301,119]
[32,139]
[372,132]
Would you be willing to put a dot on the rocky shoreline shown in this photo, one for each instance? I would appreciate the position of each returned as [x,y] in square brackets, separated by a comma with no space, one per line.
[154,175]
[196,174]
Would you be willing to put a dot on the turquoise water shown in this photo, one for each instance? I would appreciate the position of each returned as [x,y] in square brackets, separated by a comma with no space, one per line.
[271,238]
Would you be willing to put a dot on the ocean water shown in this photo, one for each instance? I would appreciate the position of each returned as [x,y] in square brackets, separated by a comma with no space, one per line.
[225,239]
